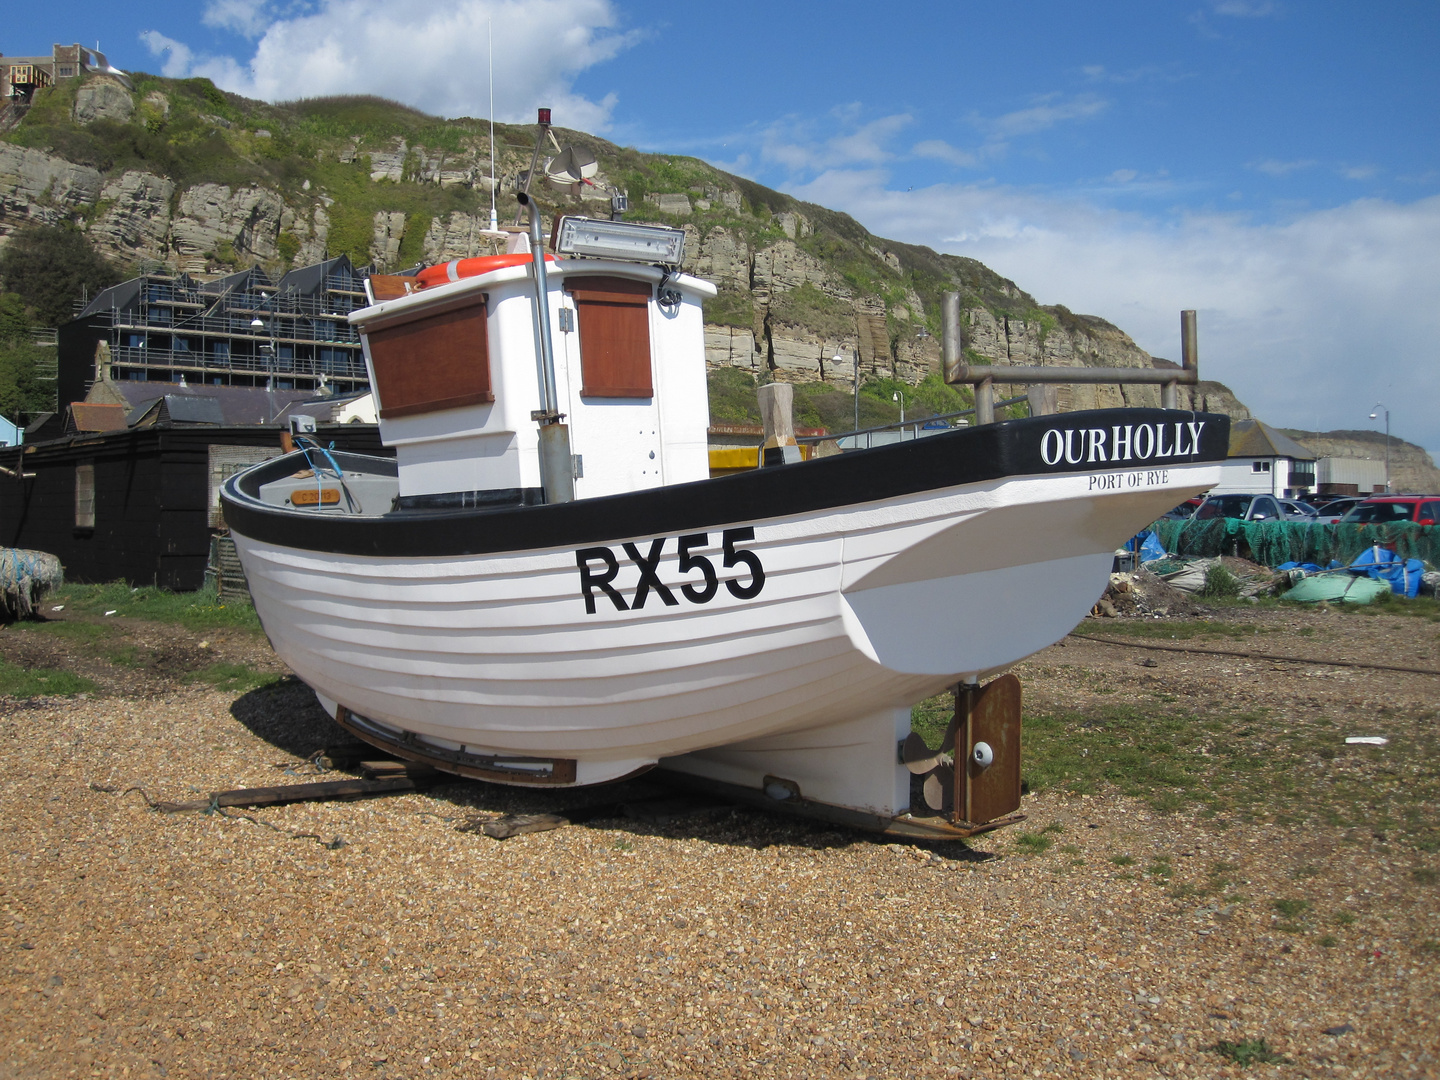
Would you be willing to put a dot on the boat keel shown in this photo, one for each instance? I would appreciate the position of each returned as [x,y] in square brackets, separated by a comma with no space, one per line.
[875,773]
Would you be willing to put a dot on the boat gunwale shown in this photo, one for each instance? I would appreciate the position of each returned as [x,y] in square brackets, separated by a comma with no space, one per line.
[954,458]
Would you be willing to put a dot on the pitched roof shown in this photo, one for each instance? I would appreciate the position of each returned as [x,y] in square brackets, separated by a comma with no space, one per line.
[238,405]
[179,409]
[88,417]
[1255,439]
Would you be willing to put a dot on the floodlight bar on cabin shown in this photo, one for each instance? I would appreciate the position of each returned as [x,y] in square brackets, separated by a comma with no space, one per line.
[600,239]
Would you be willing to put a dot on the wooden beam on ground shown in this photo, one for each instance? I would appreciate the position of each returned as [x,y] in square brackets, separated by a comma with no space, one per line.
[290,793]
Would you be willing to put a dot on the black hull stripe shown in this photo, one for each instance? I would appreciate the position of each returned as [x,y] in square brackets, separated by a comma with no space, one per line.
[952,459]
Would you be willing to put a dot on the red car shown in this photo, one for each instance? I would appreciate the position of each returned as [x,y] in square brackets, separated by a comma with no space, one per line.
[1383,509]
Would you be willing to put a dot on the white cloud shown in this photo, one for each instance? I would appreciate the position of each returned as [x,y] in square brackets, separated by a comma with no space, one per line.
[1271,167]
[247,18]
[1310,320]
[941,150]
[1245,9]
[1048,110]
[1359,172]
[178,57]
[795,144]
[1122,176]
[430,56]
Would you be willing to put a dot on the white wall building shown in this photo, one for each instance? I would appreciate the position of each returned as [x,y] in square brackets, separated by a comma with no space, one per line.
[1262,460]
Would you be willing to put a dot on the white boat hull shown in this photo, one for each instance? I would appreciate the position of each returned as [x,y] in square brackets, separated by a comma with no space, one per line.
[865,609]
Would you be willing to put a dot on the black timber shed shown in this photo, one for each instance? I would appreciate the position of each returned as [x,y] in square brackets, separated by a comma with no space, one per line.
[148,517]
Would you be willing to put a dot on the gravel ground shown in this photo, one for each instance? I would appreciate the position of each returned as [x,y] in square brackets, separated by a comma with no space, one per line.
[375,939]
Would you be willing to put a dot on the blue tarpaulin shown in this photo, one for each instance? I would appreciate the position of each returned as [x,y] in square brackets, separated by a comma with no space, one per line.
[1382,564]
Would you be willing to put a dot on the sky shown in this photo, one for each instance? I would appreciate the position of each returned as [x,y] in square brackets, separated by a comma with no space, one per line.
[1274,164]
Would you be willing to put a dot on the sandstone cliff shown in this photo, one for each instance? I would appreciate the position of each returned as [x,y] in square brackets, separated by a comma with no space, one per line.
[1411,468]
[177,173]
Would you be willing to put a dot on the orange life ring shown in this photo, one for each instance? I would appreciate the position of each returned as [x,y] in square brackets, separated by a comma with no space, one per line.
[463,268]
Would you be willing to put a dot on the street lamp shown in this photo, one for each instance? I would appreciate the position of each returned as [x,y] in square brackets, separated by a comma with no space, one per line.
[900,397]
[1375,415]
[258,323]
[839,358]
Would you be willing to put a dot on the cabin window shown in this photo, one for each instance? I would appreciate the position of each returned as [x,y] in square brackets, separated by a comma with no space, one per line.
[1260,466]
[614,317]
[85,496]
[433,362]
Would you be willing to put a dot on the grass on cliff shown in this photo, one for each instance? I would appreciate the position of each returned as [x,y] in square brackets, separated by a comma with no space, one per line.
[192,133]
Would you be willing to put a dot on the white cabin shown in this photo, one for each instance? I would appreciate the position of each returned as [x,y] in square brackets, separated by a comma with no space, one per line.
[456,374]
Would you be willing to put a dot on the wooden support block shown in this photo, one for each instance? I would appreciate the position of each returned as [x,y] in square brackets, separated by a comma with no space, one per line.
[386,769]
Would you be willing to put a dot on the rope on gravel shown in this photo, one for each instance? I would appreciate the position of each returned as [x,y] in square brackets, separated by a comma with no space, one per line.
[1256,655]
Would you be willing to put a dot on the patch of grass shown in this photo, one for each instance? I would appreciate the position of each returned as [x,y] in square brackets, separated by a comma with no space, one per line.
[16,681]
[1070,849]
[1291,911]
[733,397]
[1220,582]
[1429,945]
[1166,630]
[931,717]
[1160,868]
[235,678]
[1033,843]
[199,611]
[1249,1052]
[1240,766]
[125,656]
[1329,941]
[1425,876]
[79,632]
[1344,918]
[1123,860]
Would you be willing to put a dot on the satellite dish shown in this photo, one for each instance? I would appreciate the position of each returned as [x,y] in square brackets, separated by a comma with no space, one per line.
[571,167]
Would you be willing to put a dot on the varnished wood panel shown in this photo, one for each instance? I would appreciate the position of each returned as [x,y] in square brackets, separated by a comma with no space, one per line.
[614,325]
[391,286]
[433,363]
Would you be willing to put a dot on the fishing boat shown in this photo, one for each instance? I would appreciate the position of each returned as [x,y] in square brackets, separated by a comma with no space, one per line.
[545,587]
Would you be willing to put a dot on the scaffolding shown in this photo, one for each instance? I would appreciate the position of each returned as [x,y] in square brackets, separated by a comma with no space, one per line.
[240,330]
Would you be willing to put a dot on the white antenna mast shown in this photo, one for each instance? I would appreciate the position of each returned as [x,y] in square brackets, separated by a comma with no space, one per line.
[490,38]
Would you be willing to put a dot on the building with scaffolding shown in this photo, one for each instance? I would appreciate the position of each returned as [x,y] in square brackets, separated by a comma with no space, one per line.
[239,330]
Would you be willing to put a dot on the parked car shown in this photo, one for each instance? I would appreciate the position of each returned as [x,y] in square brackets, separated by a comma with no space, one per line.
[1330,512]
[1386,509]
[1295,510]
[1182,512]
[1246,507]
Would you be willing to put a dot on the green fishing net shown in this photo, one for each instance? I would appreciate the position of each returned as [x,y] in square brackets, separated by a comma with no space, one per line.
[1271,543]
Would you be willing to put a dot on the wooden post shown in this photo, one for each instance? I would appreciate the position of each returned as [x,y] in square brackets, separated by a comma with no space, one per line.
[1044,400]
[777,414]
